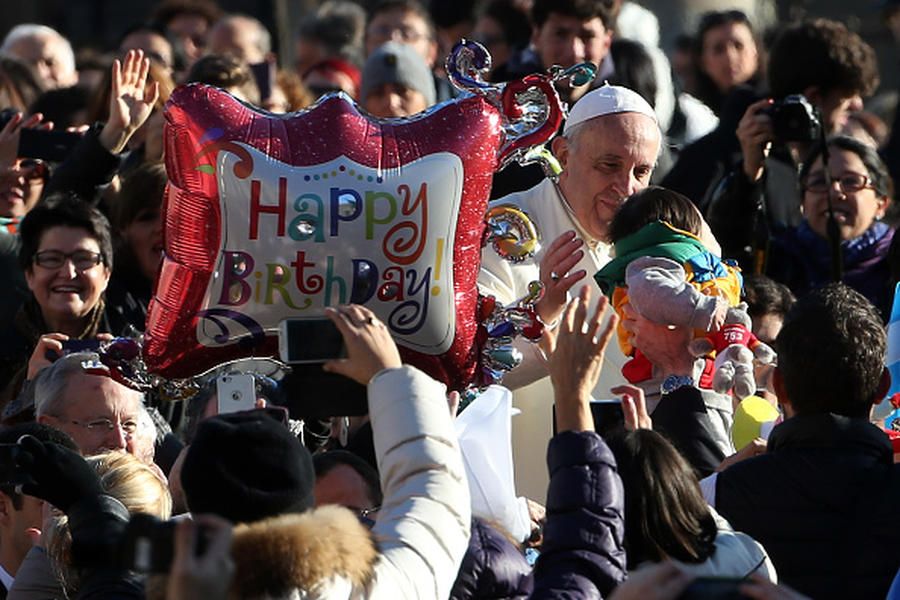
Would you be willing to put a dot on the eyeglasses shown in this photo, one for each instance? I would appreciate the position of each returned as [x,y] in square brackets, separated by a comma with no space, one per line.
[407,34]
[82,260]
[848,183]
[31,169]
[105,425]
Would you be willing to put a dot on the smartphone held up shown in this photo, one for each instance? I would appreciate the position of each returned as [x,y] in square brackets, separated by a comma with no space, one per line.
[309,341]
[306,344]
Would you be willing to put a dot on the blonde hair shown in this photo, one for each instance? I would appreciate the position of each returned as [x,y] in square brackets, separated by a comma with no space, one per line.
[133,483]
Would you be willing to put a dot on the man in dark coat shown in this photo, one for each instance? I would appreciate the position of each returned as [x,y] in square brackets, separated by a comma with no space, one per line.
[823,497]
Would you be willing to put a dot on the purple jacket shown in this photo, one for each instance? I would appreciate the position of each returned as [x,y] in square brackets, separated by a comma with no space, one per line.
[583,554]
[493,567]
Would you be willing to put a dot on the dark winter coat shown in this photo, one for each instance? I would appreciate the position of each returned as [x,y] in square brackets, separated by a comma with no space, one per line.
[493,567]
[583,554]
[822,501]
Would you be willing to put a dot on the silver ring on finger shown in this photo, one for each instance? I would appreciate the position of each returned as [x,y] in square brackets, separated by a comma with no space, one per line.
[554,276]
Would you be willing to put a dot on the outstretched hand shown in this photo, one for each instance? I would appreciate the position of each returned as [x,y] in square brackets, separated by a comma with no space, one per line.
[370,347]
[130,102]
[575,362]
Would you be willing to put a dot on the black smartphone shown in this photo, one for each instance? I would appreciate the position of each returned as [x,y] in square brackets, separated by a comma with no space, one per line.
[52,146]
[609,418]
[714,588]
[264,74]
[309,341]
[72,346]
[149,544]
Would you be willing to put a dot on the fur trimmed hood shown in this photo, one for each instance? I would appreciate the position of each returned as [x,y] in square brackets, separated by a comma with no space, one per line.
[307,552]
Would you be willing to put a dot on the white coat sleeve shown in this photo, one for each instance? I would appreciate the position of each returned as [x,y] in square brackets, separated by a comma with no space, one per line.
[422,529]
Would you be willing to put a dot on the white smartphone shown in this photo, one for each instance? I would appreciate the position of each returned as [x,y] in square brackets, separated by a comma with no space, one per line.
[309,341]
[236,393]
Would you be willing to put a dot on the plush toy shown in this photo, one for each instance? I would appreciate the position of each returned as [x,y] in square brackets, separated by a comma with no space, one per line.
[735,347]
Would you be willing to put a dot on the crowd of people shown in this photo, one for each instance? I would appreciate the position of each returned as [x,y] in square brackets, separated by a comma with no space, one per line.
[717,255]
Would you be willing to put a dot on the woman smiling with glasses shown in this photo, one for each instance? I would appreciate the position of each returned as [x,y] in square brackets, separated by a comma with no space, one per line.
[66,255]
[860,191]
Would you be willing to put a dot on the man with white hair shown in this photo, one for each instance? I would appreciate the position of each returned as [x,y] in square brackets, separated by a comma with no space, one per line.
[99,413]
[243,37]
[46,51]
[607,151]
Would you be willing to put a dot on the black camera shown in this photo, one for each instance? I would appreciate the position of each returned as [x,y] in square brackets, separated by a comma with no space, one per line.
[794,119]
[53,146]
[148,545]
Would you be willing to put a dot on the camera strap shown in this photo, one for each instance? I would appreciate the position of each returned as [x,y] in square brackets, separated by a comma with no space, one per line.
[831,227]
[761,230]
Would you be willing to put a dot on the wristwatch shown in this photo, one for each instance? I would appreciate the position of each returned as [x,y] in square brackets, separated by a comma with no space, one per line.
[673,382]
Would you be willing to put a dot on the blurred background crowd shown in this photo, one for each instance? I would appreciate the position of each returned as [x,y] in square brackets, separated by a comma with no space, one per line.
[83,85]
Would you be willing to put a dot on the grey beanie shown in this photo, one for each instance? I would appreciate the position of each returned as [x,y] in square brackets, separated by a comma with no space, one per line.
[397,63]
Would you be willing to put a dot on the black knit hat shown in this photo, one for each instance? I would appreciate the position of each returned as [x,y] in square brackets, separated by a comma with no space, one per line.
[246,467]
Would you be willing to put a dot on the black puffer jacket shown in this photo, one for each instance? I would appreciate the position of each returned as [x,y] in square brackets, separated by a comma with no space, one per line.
[583,553]
[823,501]
[493,567]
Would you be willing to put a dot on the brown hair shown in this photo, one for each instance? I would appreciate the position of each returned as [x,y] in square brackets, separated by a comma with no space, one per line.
[651,204]
[298,95]
[665,513]
[821,53]
[226,72]
[837,334]
[143,188]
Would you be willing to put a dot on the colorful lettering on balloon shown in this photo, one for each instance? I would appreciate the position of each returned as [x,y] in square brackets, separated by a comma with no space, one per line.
[304,238]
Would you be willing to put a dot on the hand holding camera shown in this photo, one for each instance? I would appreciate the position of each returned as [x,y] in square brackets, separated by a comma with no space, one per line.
[201,573]
[48,348]
[790,119]
[14,124]
[755,134]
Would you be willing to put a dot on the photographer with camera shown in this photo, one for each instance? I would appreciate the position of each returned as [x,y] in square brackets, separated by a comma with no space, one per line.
[832,68]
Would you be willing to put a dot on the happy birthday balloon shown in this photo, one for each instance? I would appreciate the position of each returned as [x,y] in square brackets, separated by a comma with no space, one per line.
[269,217]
